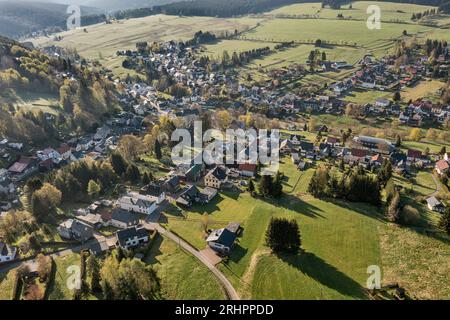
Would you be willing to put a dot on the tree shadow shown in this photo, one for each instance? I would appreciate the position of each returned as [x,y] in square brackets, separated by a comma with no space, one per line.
[155,251]
[324,273]
[207,208]
[295,204]
[361,208]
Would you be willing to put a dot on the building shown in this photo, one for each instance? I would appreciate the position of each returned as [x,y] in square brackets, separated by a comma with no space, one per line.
[72,229]
[216,177]
[137,204]
[435,205]
[131,237]
[375,144]
[123,219]
[221,240]
[93,219]
[247,169]
[441,167]
[7,252]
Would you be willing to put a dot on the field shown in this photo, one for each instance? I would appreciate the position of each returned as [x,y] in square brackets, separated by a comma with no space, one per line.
[104,40]
[31,101]
[389,11]
[182,276]
[422,89]
[6,284]
[366,96]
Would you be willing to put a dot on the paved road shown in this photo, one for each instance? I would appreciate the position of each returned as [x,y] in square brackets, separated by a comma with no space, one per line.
[231,292]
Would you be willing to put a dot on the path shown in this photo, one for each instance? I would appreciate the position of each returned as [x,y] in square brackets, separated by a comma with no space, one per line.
[438,186]
[231,292]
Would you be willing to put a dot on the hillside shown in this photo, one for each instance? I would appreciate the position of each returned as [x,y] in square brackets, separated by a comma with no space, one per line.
[80,97]
[18,18]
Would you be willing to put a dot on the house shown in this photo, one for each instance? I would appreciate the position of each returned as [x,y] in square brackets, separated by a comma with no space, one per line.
[85,144]
[94,220]
[137,204]
[65,151]
[377,159]
[98,247]
[172,185]
[155,191]
[48,154]
[209,193]
[123,219]
[189,196]
[194,173]
[131,237]
[302,165]
[333,141]
[435,205]
[7,252]
[23,167]
[357,155]
[216,177]
[72,229]
[382,103]
[375,144]
[307,149]
[247,169]
[413,155]
[221,240]
[441,167]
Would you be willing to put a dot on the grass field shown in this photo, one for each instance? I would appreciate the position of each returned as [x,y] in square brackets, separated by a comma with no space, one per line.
[6,284]
[422,89]
[103,40]
[367,96]
[389,11]
[418,262]
[182,276]
[59,289]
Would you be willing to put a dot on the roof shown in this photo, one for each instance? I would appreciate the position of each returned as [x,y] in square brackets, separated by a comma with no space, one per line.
[173,181]
[63,149]
[124,216]
[222,236]
[333,140]
[136,201]
[234,227]
[7,250]
[247,167]
[209,191]
[361,153]
[84,230]
[442,165]
[414,153]
[378,158]
[219,173]
[130,233]
[307,146]
[433,201]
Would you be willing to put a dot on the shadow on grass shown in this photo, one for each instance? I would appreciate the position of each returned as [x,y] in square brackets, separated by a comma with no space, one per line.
[361,208]
[237,253]
[155,251]
[324,273]
[295,204]
[208,208]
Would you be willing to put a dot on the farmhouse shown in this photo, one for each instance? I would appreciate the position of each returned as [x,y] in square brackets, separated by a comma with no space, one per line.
[123,219]
[435,205]
[221,240]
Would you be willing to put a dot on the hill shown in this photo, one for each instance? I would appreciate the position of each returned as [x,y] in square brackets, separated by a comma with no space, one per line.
[82,98]
[19,18]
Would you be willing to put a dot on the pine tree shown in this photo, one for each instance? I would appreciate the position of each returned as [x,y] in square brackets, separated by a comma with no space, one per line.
[93,271]
[93,189]
[444,222]
[145,179]
[283,236]
[158,152]
[251,187]
[118,163]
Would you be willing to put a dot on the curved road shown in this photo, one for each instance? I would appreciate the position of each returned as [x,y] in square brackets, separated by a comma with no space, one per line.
[231,292]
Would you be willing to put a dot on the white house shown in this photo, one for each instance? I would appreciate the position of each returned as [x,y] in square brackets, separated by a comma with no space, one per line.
[137,205]
[7,253]
[48,153]
[131,237]
[435,205]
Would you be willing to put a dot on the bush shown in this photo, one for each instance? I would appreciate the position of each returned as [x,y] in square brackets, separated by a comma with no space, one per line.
[409,216]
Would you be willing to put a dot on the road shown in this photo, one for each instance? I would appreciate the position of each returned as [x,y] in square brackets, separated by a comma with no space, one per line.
[438,186]
[230,291]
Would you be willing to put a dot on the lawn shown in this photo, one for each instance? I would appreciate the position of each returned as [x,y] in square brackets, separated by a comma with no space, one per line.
[182,276]
[366,96]
[59,289]
[216,50]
